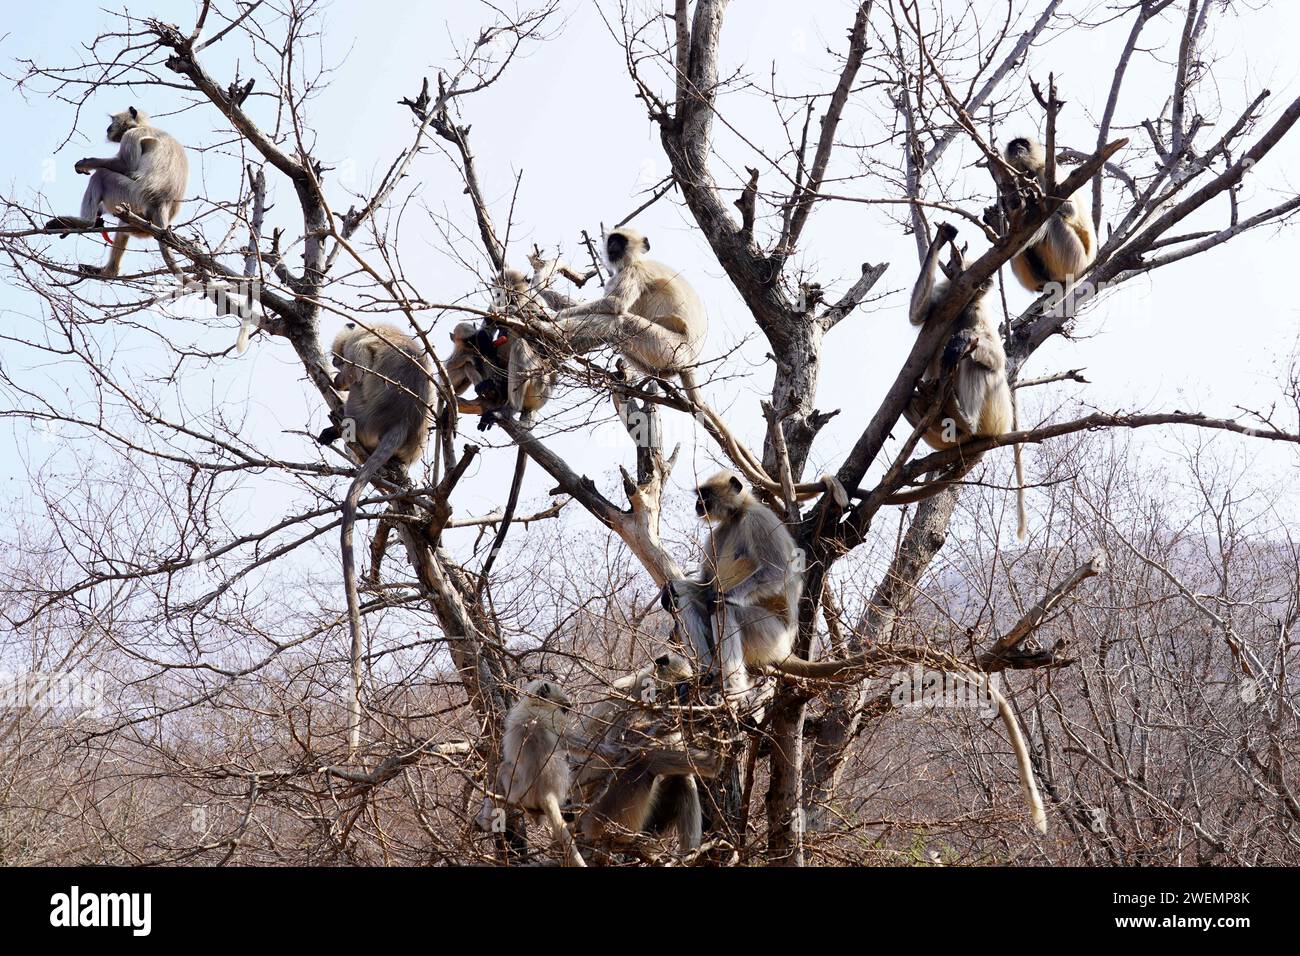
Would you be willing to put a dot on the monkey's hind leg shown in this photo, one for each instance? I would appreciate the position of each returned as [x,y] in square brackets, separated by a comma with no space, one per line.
[560,832]
[732,622]
[690,817]
[111,268]
[110,192]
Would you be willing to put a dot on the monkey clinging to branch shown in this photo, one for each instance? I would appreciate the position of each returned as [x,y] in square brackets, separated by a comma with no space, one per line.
[386,375]
[1066,244]
[742,612]
[147,177]
[978,404]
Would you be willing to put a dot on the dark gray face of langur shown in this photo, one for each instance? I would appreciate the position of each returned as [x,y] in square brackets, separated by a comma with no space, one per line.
[1026,154]
[119,123]
[550,694]
[623,246]
[715,503]
[674,674]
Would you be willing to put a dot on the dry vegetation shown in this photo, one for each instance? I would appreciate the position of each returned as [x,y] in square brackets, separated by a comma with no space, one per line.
[1156,691]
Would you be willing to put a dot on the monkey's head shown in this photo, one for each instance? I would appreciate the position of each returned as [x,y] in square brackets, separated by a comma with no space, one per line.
[544,695]
[347,335]
[623,246]
[674,675]
[507,289]
[343,342]
[719,498]
[1025,154]
[464,332]
[119,123]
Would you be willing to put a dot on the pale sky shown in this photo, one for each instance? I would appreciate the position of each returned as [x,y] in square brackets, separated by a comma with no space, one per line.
[1207,335]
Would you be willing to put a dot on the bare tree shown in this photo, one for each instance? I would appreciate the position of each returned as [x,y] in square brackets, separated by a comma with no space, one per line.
[1145,650]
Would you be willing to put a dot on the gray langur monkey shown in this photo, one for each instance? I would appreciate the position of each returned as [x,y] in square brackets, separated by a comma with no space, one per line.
[387,377]
[751,584]
[528,381]
[747,591]
[649,313]
[466,366]
[639,777]
[980,402]
[147,177]
[534,771]
[506,373]
[1066,244]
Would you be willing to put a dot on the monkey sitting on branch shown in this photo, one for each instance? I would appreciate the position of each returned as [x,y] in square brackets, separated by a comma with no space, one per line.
[742,611]
[387,377]
[504,368]
[1066,244]
[649,313]
[147,177]
[967,375]
[635,773]
[479,358]
[534,771]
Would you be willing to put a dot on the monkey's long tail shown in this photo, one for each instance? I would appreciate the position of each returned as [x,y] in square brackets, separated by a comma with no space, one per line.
[829,670]
[689,816]
[551,807]
[1036,812]
[388,446]
[1022,522]
[820,670]
[745,461]
[521,463]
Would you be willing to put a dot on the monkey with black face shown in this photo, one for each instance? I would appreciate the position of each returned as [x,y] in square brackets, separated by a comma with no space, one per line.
[742,612]
[638,775]
[504,370]
[1066,244]
[534,771]
[147,177]
[749,591]
[979,403]
[649,312]
[386,375]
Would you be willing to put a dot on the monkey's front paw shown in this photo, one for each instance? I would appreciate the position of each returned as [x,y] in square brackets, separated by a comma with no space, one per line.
[84,167]
[330,435]
[947,232]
